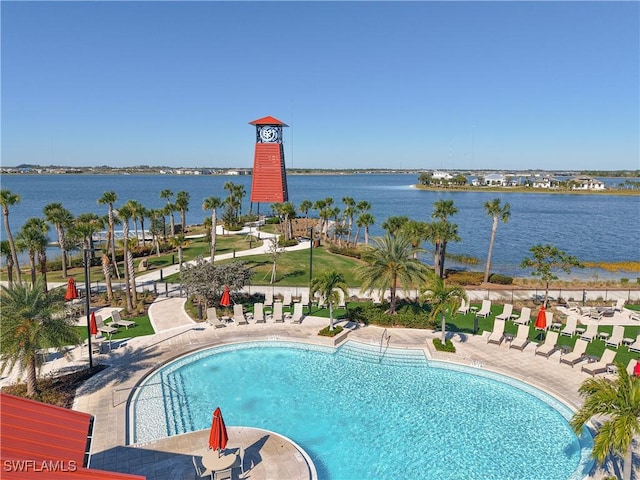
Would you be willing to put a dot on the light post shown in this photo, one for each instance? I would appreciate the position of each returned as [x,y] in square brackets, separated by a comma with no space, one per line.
[310,255]
[87,294]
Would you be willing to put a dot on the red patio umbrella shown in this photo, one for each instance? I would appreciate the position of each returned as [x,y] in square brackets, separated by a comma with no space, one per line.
[541,319]
[93,327]
[218,436]
[225,301]
[72,291]
[636,369]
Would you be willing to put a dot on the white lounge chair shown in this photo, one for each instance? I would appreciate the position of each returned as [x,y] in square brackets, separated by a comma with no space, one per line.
[106,329]
[524,318]
[341,302]
[238,315]
[548,320]
[258,313]
[119,322]
[304,298]
[619,305]
[464,307]
[572,307]
[616,336]
[613,368]
[297,313]
[590,333]
[601,365]
[577,354]
[634,315]
[594,314]
[498,332]
[570,328]
[212,318]
[485,310]
[375,296]
[286,299]
[635,346]
[549,345]
[277,316]
[521,339]
[506,312]
[268,299]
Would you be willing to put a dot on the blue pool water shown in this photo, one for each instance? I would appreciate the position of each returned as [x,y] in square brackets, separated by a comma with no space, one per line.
[360,416]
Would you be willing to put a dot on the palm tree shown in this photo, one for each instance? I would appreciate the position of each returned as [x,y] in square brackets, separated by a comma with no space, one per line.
[288,210]
[619,401]
[7,199]
[320,205]
[442,299]
[136,212]
[5,251]
[417,232]
[182,204]
[365,220]
[390,264]
[441,233]
[33,238]
[28,325]
[443,209]
[155,215]
[106,271]
[327,286]
[239,193]
[212,203]
[125,213]
[109,198]
[304,207]
[61,219]
[168,195]
[349,212]
[179,242]
[394,224]
[498,212]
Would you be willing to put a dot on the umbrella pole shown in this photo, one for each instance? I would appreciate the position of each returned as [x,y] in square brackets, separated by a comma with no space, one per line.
[87,293]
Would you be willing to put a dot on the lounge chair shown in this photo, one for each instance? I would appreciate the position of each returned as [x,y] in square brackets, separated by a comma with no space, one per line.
[238,315]
[613,368]
[277,316]
[119,322]
[212,318]
[590,333]
[524,318]
[594,314]
[570,328]
[268,299]
[375,296]
[498,332]
[286,299]
[106,329]
[304,298]
[635,346]
[522,338]
[341,302]
[634,315]
[549,345]
[619,305]
[601,365]
[548,320]
[464,307]
[485,310]
[258,312]
[616,337]
[506,312]
[297,313]
[584,311]
[576,355]
[572,307]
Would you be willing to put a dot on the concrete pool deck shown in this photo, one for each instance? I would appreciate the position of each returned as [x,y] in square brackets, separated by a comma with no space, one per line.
[105,395]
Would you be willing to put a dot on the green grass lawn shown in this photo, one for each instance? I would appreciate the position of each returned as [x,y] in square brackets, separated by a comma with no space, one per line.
[142,328]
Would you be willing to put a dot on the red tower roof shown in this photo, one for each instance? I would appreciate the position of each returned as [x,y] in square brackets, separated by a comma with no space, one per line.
[268,121]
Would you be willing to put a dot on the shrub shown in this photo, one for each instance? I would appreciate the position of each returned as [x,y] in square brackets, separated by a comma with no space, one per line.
[352,252]
[409,315]
[272,221]
[325,332]
[500,279]
[624,281]
[465,278]
[447,347]
[287,243]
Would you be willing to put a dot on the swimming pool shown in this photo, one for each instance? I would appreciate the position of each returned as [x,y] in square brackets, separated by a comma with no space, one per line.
[362,415]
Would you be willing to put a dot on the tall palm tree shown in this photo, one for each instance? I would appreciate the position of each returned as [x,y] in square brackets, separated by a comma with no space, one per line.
[618,401]
[7,199]
[441,233]
[212,203]
[328,285]
[393,225]
[320,205]
[349,212]
[182,204]
[179,241]
[125,213]
[304,207]
[33,238]
[239,193]
[136,212]
[109,198]
[168,195]
[365,220]
[443,209]
[156,227]
[442,299]
[288,211]
[390,264]
[417,232]
[28,325]
[5,251]
[498,212]
[61,219]
[106,271]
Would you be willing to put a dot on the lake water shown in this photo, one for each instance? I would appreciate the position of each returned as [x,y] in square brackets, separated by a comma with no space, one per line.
[592,227]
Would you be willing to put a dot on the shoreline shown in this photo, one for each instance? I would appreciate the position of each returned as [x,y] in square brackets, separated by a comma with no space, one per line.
[616,192]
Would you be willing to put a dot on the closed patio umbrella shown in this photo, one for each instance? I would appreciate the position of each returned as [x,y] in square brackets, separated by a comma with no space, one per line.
[218,435]
[225,301]
[93,326]
[541,321]
[72,291]
[636,369]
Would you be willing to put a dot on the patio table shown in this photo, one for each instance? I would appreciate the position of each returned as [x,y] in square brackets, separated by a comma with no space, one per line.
[214,461]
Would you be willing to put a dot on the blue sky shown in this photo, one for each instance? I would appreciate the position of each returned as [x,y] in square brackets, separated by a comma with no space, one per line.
[471,85]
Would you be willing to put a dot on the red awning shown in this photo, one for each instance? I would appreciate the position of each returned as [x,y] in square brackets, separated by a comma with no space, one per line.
[41,440]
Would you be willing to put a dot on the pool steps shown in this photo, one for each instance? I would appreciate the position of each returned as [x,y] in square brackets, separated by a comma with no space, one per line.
[387,355]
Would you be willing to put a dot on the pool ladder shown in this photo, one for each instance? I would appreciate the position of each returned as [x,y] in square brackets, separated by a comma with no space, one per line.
[385,335]
[181,398]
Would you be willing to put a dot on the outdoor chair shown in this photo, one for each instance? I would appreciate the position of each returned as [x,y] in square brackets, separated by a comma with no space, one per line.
[464,307]
[506,312]
[601,365]
[258,312]
[594,314]
[341,302]
[277,316]
[498,332]
[590,333]
[572,306]
[616,337]
[613,368]
[634,316]
[570,328]
[304,298]
[635,346]
[524,318]
[549,345]
[268,299]
[106,329]
[485,310]
[119,322]
[521,339]
[619,305]
[201,472]
[222,474]
[212,318]
[240,460]
[297,313]
[238,315]
[576,355]
[286,299]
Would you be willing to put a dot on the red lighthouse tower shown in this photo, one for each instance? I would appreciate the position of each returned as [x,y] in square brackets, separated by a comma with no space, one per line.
[269,182]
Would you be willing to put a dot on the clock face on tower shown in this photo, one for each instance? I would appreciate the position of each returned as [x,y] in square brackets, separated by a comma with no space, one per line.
[268,134]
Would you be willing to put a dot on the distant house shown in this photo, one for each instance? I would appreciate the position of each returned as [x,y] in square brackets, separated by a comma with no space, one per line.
[586,183]
[544,182]
[440,176]
[495,180]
